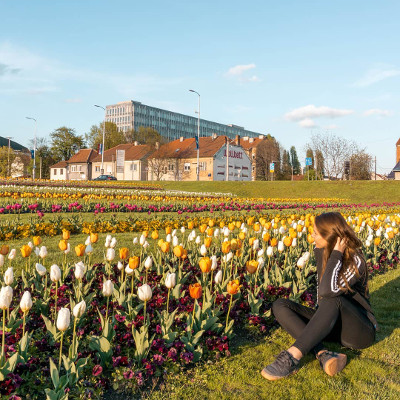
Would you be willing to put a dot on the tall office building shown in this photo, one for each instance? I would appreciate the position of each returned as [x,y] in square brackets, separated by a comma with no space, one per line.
[130,115]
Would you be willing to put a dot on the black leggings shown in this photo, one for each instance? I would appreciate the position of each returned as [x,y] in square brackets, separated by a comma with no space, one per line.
[337,319]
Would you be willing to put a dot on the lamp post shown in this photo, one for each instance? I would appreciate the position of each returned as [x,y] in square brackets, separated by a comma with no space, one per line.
[8,158]
[102,149]
[198,137]
[34,148]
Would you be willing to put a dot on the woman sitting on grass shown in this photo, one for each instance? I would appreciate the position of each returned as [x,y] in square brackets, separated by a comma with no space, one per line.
[343,313]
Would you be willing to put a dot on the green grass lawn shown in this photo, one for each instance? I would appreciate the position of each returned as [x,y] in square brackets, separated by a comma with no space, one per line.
[373,373]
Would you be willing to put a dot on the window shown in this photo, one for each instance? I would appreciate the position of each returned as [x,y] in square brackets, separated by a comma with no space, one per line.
[79,168]
[61,171]
[170,167]
[73,168]
[97,168]
[55,171]
[187,166]
[203,166]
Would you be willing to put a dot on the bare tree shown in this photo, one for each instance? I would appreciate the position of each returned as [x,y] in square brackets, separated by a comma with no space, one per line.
[360,166]
[334,150]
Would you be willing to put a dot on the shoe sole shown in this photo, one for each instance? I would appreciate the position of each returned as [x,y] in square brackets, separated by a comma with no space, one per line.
[266,375]
[335,364]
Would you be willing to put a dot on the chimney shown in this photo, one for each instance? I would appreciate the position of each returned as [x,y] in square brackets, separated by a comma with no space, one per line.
[246,138]
[261,137]
[251,140]
[398,151]
[214,136]
[135,143]
[181,139]
[157,145]
[237,140]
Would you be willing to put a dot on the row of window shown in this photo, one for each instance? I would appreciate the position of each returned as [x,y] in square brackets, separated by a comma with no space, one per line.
[61,171]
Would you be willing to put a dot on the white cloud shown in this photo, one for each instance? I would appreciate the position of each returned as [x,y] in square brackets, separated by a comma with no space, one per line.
[238,72]
[377,74]
[377,111]
[307,123]
[311,111]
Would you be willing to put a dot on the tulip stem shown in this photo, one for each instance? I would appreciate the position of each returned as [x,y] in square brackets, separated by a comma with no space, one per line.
[23,325]
[168,300]
[108,299]
[73,338]
[229,310]
[61,343]
[3,336]
[194,307]
[144,320]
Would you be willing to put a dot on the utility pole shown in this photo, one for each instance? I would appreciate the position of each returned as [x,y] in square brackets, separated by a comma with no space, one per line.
[375,167]
[8,161]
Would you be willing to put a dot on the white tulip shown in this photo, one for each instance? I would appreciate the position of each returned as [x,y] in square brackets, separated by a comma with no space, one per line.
[203,250]
[55,273]
[63,319]
[26,302]
[301,262]
[68,249]
[227,232]
[214,263]
[9,276]
[129,270]
[294,242]
[88,241]
[148,263]
[218,277]
[367,243]
[89,249]
[183,229]
[261,262]
[79,270]
[144,292]
[198,240]
[174,232]
[146,244]
[108,288]
[12,254]
[282,230]
[120,266]
[1,260]
[299,235]
[37,251]
[260,252]
[135,240]
[193,233]
[270,251]
[229,256]
[41,270]
[175,241]
[306,256]
[142,240]
[168,238]
[378,232]
[370,238]
[110,254]
[79,309]
[6,294]
[386,235]
[170,280]
[108,241]
[281,246]
[226,240]
[216,233]
[113,242]
[256,244]
[30,244]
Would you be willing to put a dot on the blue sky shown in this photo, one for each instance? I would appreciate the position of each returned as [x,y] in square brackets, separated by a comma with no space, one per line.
[286,68]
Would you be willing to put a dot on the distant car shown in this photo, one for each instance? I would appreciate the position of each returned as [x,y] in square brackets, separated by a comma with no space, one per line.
[105,178]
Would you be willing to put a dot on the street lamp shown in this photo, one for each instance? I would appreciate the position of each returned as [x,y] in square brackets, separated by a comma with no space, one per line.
[8,158]
[198,137]
[102,149]
[34,148]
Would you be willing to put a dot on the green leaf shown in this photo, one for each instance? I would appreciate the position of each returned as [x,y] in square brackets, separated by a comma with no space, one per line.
[54,374]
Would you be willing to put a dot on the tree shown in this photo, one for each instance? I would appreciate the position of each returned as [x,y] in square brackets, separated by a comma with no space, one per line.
[334,150]
[112,136]
[268,151]
[286,166]
[44,158]
[294,161]
[65,143]
[145,135]
[360,166]
[310,154]
[7,157]
[319,165]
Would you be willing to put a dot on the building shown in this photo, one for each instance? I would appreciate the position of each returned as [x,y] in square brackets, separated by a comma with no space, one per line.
[80,165]
[395,173]
[126,162]
[177,160]
[59,171]
[130,115]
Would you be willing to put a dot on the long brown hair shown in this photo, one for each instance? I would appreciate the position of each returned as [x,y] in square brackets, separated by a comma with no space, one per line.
[331,226]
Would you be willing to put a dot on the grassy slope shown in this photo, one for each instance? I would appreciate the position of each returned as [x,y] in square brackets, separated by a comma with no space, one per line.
[370,374]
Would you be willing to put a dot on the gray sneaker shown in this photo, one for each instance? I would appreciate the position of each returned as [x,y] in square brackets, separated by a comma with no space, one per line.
[284,365]
[332,362]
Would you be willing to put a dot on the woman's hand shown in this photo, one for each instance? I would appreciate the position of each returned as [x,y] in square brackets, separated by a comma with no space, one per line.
[340,244]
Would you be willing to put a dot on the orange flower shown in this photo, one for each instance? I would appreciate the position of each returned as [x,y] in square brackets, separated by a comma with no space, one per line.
[207,241]
[154,235]
[221,224]
[390,234]
[210,231]
[123,253]
[134,262]
[250,221]
[165,247]
[310,239]
[26,251]
[37,240]
[299,228]
[160,242]
[184,255]
[233,287]
[266,237]
[242,235]
[377,241]
[238,224]
[256,227]
[145,234]
[202,228]
[268,225]
[190,225]
[94,237]
[274,242]
[80,250]
[287,241]
[63,245]
[211,223]
[235,244]
[226,247]
[205,264]
[168,230]
[252,266]
[4,250]
[195,290]
[66,234]
[251,241]
[231,226]
[178,251]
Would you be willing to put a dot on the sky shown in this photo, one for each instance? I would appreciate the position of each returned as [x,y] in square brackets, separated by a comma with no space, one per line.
[291,69]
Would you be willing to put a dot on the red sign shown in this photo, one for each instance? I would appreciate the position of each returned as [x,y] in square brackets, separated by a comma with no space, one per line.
[234,154]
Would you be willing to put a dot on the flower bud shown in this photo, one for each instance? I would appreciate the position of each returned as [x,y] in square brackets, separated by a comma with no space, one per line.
[41,270]
[170,280]
[108,241]
[108,288]
[79,270]
[218,277]
[168,238]
[37,251]
[306,256]
[175,241]
[203,250]
[89,249]
[1,260]
[129,270]
[301,262]
[135,240]
[79,309]
[214,263]
[110,254]
[281,246]
[68,249]
[30,244]
[43,252]
[148,262]
[144,292]
[120,266]
[198,240]
[63,319]
[183,229]
[9,276]
[6,294]
[88,241]
[142,240]
[26,302]
[55,273]
[12,254]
